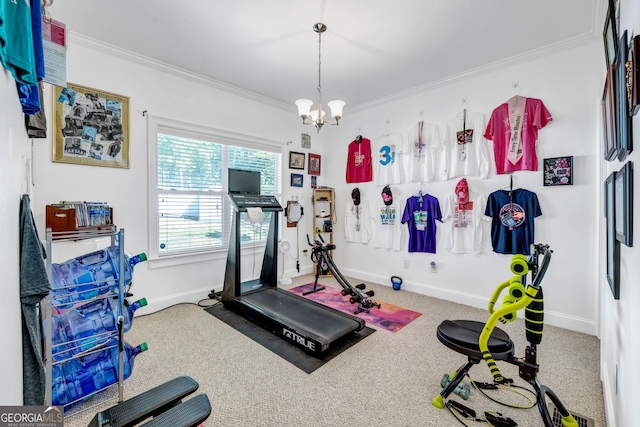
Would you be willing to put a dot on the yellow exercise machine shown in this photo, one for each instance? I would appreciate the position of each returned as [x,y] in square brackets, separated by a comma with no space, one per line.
[479,341]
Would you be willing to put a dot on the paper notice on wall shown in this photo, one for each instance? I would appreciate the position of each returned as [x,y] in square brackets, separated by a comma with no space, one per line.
[54,41]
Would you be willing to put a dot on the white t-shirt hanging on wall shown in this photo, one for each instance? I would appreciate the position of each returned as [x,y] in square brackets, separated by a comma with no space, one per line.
[389,150]
[357,221]
[466,235]
[467,154]
[388,225]
[424,146]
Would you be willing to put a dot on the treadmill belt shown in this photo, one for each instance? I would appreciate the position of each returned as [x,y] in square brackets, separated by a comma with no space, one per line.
[282,348]
[304,314]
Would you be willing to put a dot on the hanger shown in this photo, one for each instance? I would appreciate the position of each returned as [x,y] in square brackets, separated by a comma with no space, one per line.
[44,5]
[510,186]
[388,129]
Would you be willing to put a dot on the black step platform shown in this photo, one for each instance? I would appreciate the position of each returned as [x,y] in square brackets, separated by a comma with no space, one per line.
[151,403]
[187,414]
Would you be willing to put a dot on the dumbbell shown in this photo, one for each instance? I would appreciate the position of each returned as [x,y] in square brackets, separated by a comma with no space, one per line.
[462,390]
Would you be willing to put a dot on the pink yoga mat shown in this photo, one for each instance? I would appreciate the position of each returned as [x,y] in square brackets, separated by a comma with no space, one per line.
[388,316]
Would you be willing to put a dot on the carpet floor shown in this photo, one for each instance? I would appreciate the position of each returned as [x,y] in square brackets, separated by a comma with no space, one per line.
[387,379]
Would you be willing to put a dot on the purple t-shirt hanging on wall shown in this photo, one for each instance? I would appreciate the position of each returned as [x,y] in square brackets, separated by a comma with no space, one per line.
[512,228]
[420,214]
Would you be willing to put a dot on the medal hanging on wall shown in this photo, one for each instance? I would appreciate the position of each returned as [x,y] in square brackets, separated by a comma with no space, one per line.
[355,196]
[420,216]
[464,137]
[462,200]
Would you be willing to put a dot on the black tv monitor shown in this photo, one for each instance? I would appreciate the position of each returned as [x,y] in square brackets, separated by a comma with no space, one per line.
[244,181]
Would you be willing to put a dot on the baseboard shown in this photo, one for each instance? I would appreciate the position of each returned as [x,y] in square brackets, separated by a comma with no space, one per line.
[608,390]
[157,304]
[295,273]
[561,320]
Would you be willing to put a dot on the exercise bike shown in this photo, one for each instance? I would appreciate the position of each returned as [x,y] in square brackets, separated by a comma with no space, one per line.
[479,341]
[320,255]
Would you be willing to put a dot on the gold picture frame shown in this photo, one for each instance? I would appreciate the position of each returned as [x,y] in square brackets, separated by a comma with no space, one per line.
[90,127]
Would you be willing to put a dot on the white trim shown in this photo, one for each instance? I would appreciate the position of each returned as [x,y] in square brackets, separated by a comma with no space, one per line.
[483,69]
[128,55]
[608,391]
[207,133]
[583,325]
[158,124]
[158,304]
[164,67]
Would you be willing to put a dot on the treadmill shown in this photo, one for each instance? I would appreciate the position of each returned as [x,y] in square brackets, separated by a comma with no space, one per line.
[302,322]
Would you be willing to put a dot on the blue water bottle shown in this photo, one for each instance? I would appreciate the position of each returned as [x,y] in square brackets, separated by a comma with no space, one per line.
[78,378]
[90,275]
[108,309]
[82,328]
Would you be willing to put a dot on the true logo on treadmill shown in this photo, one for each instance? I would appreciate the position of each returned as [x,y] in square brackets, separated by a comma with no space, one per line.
[299,339]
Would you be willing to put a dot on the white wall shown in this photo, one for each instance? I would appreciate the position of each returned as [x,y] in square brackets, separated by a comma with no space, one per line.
[570,213]
[620,334]
[161,93]
[16,149]
[569,83]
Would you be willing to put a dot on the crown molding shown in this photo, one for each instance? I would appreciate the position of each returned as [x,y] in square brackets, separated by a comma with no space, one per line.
[484,69]
[234,90]
[111,50]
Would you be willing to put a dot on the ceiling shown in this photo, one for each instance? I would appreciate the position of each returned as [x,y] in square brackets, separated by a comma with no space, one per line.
[372,49]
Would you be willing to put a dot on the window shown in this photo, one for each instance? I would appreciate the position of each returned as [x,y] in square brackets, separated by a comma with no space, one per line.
[189,208]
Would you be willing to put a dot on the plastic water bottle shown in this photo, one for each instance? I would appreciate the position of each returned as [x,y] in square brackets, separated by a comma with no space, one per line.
[89,325]
[90,275]
[128,310]
[60,344]
[78,378]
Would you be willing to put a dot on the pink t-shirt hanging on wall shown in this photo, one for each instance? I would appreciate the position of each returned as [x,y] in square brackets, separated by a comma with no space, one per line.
[514,154]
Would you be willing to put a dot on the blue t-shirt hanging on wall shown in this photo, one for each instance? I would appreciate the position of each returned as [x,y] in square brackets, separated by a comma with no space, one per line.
[512,229]
[421,213]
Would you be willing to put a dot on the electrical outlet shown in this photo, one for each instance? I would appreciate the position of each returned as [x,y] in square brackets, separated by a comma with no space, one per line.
[406,263]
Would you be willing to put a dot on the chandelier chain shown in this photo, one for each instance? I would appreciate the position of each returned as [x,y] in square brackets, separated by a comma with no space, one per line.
[319,69]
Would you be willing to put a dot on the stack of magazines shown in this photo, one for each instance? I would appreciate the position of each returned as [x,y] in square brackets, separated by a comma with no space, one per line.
[88,213]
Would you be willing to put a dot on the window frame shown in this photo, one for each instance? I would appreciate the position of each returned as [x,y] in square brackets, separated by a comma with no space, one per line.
[162,125]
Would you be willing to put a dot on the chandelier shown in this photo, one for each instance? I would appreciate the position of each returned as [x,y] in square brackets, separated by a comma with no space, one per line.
[316,117]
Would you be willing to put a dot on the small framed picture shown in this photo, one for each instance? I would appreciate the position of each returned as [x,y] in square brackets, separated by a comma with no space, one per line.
[314,181]
[613,246]
[633,76]
[296,160]
[623,121]
[558,171]
[296,179]
[305,140]
[314,164]
[623,187]
[608,118]
[610,34]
